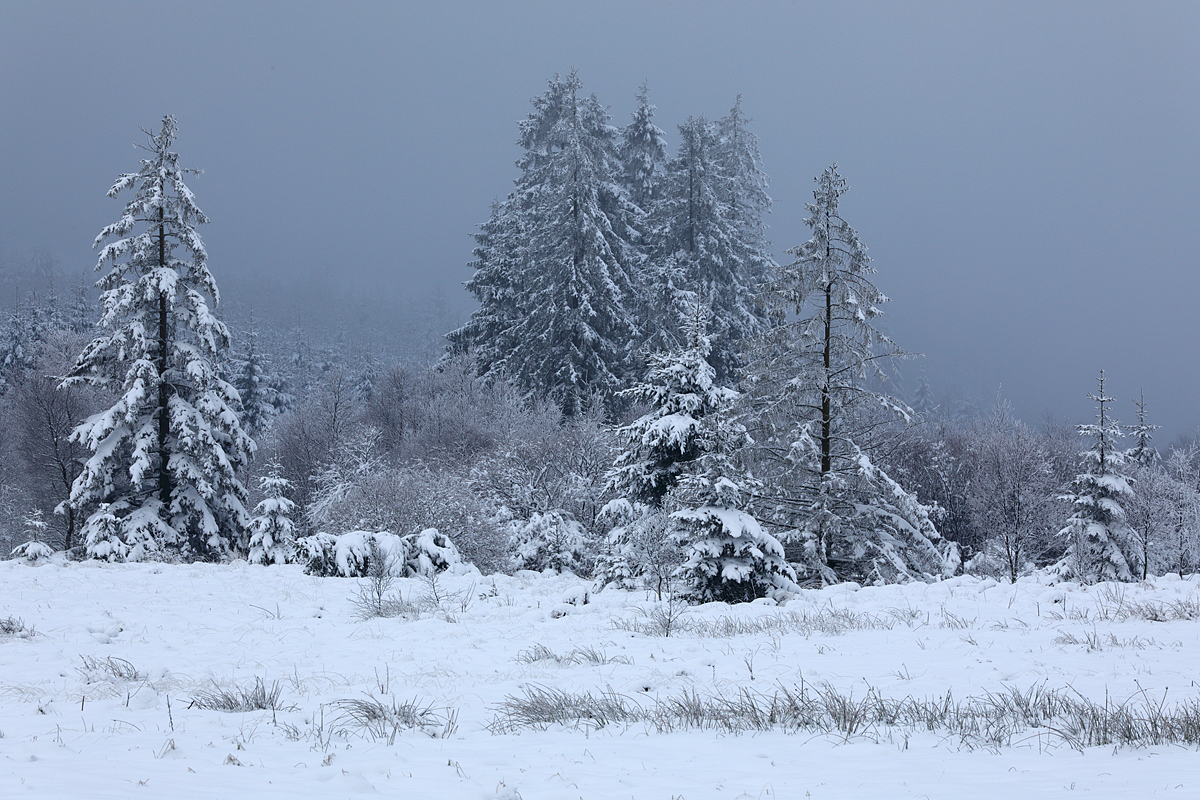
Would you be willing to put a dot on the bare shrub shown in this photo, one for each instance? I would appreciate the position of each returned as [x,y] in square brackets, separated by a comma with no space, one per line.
[377,595]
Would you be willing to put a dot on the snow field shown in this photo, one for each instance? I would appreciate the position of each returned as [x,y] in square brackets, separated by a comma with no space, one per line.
[77,721]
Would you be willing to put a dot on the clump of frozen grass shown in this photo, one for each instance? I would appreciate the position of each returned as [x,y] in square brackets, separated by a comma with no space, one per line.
[1187,609]
[1113,604]
[1095,641]
[991,720]
[108,668]
[663,620]
[543,706]
[240,699]
[383,720]
[954,622]
[588,655]
[14,627]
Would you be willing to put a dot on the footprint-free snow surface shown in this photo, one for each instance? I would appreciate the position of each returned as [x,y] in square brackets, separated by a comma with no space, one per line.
[203,681]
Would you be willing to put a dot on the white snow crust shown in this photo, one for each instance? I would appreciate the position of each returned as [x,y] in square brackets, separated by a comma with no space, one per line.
[74,731]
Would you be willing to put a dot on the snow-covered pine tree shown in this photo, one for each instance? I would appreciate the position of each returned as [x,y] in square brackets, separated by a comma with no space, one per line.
[702,252]
[18,344]
[555,263]
[815,414]
[165,456]
[1097,534]
[33,549]
[261,395]
[686,442]
[272,532]
[643,153]
[923,402]
[680,391]
[745,184]
[1142,453]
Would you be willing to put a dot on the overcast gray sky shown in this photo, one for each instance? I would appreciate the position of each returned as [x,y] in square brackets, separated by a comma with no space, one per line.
[1026,175]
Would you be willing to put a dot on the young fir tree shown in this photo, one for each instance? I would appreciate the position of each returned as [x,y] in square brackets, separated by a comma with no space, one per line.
[704,249]
[165,456]
[686,443]
[811,398]
[1097,534]
[34,549]
[272,532]
[1142,454]
[555,263]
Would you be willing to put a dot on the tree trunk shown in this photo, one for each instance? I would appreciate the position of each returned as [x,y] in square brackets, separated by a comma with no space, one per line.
[164,422]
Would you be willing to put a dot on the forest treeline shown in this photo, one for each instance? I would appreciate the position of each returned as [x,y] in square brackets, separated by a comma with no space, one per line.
[643,394]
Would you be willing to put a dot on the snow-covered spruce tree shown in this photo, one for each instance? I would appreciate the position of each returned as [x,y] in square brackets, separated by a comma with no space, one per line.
[815,414]
[703,249]
[18,344]
[643,154]
[658,446]
[923,403]
[34,549]
[685,445]
[745,187]
[165,456]
[272,532]
[1142,453]
[554,264]
[261,395]
[1098,536]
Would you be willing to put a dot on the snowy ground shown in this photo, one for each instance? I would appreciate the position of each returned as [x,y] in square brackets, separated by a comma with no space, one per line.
[74,727]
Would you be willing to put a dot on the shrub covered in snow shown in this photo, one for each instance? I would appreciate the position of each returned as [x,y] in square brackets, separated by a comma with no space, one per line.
[32,552]
[552,540]
[350,555]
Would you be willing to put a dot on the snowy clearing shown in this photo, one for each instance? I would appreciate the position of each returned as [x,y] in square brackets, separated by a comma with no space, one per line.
[112,678]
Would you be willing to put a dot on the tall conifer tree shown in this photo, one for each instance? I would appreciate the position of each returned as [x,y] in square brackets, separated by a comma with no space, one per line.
[815,412]
[555,266]
[165,456]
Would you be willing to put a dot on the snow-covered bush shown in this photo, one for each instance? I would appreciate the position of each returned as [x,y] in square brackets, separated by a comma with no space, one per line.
[351,554]
[551,540]
[32,552]
[430,552]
